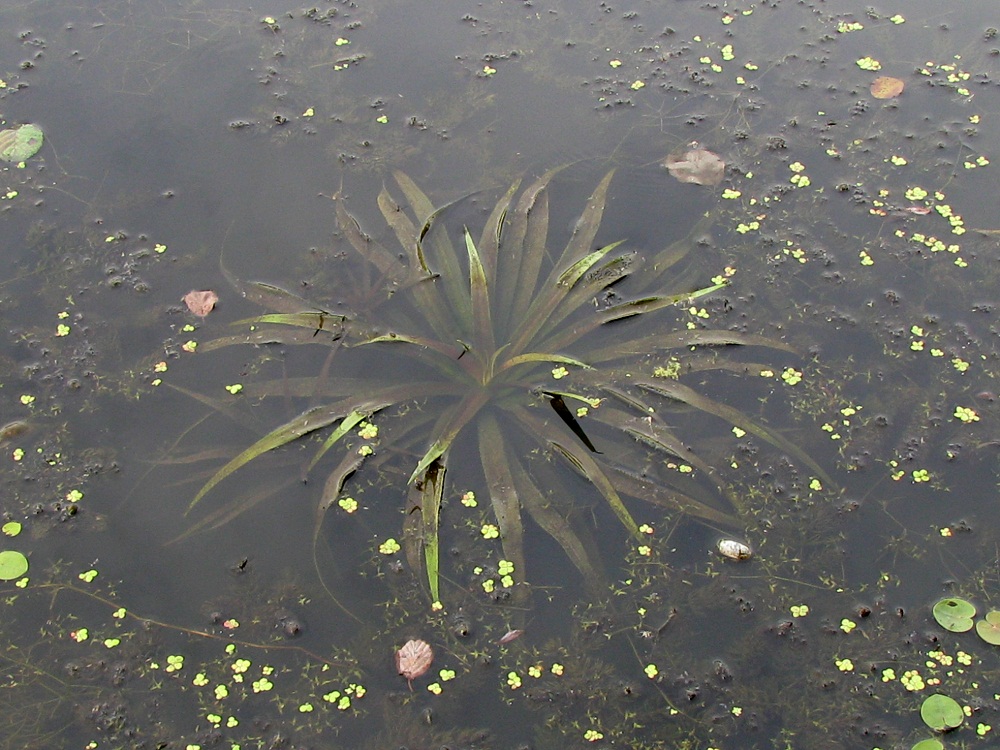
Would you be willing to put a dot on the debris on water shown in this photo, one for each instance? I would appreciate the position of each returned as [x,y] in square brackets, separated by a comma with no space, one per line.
[697,165]
[734,550]
[13,430]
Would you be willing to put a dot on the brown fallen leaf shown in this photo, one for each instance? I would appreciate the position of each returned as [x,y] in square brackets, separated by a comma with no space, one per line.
[413,659]
[200,303]
[886,87]
[696,165]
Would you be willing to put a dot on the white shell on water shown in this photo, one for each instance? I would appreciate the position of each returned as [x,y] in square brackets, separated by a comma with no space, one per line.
[734,550]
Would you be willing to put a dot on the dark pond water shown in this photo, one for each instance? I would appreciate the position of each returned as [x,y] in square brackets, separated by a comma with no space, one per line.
[200,145]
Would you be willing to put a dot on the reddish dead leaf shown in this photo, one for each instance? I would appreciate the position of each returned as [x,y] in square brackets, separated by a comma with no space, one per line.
[413,659]
[696,165]
[920,210]
[511,635]
[200,303]
[885,87]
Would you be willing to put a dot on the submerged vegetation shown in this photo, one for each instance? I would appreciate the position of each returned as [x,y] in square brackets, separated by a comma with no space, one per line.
[493,342]
[866,615]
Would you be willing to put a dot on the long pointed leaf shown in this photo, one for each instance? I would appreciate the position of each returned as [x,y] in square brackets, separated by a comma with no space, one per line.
[556,526]
[584,463]
[524,250]
[658,342]
[489,241]
[503,495]
[448,428]
[430,504]
[673,389]
[552,296]
[480,294]
[309,421]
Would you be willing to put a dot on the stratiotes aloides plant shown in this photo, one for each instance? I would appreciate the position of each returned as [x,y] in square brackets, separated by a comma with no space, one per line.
[496,336]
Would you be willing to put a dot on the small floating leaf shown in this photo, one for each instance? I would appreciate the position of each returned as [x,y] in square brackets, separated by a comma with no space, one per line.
[886,87]
[930,744]
[697,165]
[18,144]
[12,565]
[989,629]
[954,614]
[942,713]
[414,659]
[200,303]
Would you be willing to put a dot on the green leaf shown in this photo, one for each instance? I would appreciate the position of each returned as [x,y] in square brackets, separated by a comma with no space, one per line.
[430,505]
[19,144]
[346,425]
[930,744]
[942,713]
[447,429]
[989,629]
[309,421]
[518,269]
[13,564]
[485,342]
[954,614]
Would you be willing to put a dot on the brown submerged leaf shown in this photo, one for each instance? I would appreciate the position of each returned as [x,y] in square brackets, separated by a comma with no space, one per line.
[885,87]
[200,303]
[696,165]
[414,659]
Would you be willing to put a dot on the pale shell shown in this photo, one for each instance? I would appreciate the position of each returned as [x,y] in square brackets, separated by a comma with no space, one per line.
[734,550]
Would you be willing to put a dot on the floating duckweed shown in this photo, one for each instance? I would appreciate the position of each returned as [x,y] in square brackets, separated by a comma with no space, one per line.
[847,625]
[799,610]
[791,376]
[966,414]
[869,63]
[844,665]
[348,504]
[921,475]
[389,547]
[912,681]
[513,680]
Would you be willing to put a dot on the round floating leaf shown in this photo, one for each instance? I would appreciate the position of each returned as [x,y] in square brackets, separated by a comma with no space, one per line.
[942,713]
[12,565]
[885,87]
[930,744]
[954,614]
[414,659]
[18,144]
[989,629]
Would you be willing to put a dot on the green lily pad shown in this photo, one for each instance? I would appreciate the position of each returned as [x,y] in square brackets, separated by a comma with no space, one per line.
[930,744]
[942,713]
[989,629]
[12,565]
[954,614]
[18,144]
